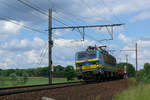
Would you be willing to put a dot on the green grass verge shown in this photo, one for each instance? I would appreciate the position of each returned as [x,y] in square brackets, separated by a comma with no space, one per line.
[6,81]
[135,92]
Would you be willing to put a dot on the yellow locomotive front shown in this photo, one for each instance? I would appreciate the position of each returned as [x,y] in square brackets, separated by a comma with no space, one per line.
[96,64]
[88,63]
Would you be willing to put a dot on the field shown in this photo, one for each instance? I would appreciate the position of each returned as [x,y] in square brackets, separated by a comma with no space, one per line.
[6,82]
[135,92]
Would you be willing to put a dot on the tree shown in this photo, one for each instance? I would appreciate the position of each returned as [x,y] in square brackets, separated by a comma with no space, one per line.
[42,71]
[2,81]
[58,68]
[147,68]
[14,78]
[25,77]
[8,72]
[69,72]
[19,72]
[1,72]
[146,72]
[31,72]
[130,68]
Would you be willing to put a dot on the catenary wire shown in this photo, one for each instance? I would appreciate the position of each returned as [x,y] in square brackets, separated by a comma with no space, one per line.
[8,19]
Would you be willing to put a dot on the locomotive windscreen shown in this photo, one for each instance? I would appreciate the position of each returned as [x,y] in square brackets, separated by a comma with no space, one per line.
[81,55]
[91,55]
[86,55]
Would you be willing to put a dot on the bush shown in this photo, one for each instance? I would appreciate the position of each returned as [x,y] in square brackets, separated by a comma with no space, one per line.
[139,92]
[69,73]
[144,74]
[2,81]
[130,69]
[14,78]
[25,77]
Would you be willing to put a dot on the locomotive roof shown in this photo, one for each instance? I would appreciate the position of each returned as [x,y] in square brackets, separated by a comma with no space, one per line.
[90,48]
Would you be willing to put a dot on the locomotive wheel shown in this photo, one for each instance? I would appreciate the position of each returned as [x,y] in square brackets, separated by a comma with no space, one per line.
[99,78]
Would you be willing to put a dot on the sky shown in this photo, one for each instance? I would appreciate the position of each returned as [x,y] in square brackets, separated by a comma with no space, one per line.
[24,48]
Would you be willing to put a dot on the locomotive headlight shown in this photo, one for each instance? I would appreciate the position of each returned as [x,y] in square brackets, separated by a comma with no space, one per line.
[97,64]
[78,68]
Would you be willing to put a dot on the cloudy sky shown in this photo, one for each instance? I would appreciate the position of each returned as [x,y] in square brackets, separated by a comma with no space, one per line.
[23,48]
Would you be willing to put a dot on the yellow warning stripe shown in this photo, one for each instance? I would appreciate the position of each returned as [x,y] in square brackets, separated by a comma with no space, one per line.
[87,60]
[95,66]
[89,67]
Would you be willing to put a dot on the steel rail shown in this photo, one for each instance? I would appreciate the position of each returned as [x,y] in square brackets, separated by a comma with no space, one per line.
[69,84]
[29,86]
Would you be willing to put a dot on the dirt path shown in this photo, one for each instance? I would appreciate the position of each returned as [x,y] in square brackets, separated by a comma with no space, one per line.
[99,91]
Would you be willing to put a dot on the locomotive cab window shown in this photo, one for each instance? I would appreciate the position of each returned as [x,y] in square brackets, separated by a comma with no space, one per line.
[81,56]
[91,55]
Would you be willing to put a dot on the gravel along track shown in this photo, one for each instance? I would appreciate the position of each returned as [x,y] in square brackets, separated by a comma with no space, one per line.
[95,91]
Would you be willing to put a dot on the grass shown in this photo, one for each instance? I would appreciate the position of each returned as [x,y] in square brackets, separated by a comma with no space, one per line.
[135,92]
[6,81]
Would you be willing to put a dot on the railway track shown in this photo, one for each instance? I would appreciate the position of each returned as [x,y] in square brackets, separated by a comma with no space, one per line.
[78,91]
[34,88]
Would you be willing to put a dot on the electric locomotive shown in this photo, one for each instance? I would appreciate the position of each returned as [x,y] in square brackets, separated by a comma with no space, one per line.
[95,63]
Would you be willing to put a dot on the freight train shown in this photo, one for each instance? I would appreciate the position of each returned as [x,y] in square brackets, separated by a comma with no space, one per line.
[95,63]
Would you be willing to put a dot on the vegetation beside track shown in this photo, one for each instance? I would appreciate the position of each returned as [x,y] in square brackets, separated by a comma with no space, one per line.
[7,82]
[35,76]
[135,92]
[140,89]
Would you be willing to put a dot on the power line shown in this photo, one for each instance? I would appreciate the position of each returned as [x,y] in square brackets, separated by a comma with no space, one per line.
[8,19]
[90,26]
[68,13]
[106,27]
[91,8]
[39,10]
[35,8]
[15,7]
[111,11]
[79,20]
[43,53]
[42,12]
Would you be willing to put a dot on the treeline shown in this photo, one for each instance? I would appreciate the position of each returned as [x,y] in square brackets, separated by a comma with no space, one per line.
[129,68]
[69,71]
[59,71]
[142,75]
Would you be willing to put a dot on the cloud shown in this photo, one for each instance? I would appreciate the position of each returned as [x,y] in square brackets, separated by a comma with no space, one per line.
[126,39]
[57,33]
[144,44]
[68,11]
[65,49]
[21,53]
[9,29]
[26,53]
[142,50]
[78,9]
[16,45]
[142,16]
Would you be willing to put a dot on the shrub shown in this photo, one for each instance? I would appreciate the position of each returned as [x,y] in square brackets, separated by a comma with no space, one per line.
[14,78]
